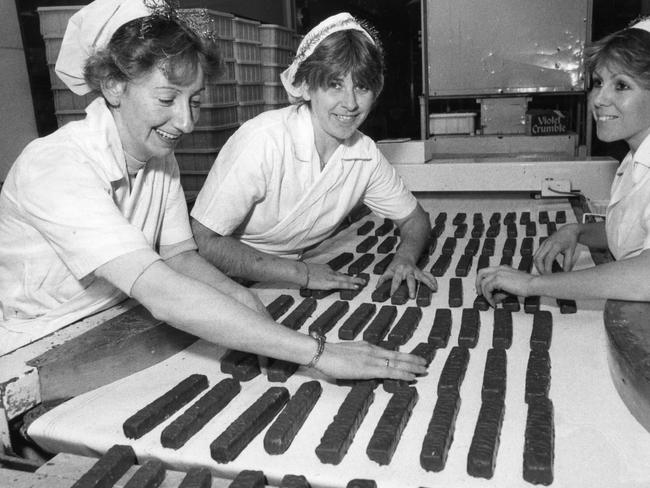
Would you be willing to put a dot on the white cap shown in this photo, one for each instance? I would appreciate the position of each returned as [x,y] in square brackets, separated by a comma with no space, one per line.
[643,24]
[335,23]
[89,30]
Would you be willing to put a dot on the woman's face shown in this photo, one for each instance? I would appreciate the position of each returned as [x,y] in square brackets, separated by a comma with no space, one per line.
[620,106]
[154,113]
[338,110]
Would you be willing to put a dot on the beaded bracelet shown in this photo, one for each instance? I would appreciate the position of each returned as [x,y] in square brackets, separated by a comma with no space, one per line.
[320,341]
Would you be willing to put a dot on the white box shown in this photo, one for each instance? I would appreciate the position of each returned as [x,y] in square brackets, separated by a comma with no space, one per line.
[406,151]
[452,123]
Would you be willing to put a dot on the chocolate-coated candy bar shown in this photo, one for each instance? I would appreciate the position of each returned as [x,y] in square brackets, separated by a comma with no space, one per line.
[387,245]
[440,432]
[510,218]
[280,305]
[437,230]
[509,247]
[357,321]
[511,303]
[539,443]
[455,292]
[542,217]
[361,483]
[495,218]
[531,229]
[453,372]
[481,303]
[464,265]
[540,337]
[193,419]
[483,262]
[424,260]
[328,319]
[449,246]
[567,306]
[560,217]
[406,325]
[506,260]
[459,218]
[424,350]
[380,267]
[526,248]
[461,230]
[477,231]
[294,481]
[300,314]
[340,433]
[471,249]
[382,292]
[401,295]
[367,226]
[197,478]
[384,228]
[319,294]
[232,441]
[283,430]
[380,325]
[470,325]
[358,212]
[441,265]
[441,218]
[367,244]
[150,475]
[441,329]
[249,479]
[108,469]
[477,218]
[243,366]
[502,329]
[494,375]
[488,247]
[482,455]
[493,231]
[279,370]
[423,295]
[542,239]
[390,427]
[511,231]
[361,263]
[531,304]
[551,228]
[350,294]
[341,260]
[164,406]
[538,376]
[526,264]
[524,218]
[432,243]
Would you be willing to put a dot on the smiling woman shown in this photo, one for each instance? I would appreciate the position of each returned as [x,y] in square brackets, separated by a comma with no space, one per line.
[95,211]
[286,179]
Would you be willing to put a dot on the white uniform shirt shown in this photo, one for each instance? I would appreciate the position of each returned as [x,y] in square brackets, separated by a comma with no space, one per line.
[267,188]
[628,212]
[67,208]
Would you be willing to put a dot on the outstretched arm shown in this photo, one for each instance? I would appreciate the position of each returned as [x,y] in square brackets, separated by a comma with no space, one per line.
[238,259]
[414,233]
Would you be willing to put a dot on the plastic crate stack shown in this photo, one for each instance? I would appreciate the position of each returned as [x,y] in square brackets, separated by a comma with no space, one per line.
[218,118]
[278,49]
[248,68]
[53,22]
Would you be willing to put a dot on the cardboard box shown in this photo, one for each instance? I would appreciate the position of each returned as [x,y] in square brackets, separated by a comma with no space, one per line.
[406,151]
[543,122]
[452,123]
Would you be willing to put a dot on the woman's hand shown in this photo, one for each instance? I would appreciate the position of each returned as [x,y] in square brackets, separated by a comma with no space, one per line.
[495,282]
[401,269]
[361,360]
[322,277]
[564,242]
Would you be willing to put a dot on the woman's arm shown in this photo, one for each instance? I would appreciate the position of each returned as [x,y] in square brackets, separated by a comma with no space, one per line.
[238,259]
[414,233]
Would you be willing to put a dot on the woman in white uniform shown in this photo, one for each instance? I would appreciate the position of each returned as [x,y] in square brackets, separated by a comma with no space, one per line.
[619,100]
[286,179]
[95,212]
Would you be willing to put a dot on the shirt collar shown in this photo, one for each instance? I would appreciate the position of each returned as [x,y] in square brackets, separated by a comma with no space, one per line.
[642,154]
[108,146]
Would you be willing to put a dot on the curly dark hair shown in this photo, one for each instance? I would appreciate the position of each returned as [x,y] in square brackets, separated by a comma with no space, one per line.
[153,42]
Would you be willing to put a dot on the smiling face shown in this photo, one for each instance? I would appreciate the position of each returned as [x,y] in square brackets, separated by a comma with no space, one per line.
[153,113]
[337,111]
[620,106]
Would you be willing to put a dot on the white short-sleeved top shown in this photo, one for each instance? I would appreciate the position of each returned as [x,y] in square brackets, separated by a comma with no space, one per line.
[628,212]
[67,208]
[267,188]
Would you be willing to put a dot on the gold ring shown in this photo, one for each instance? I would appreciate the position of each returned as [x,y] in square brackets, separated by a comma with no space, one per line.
[388,363]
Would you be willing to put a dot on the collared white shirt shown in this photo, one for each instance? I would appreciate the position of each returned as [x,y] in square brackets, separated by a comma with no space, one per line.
[67,208]
[628,212]
[267,187]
